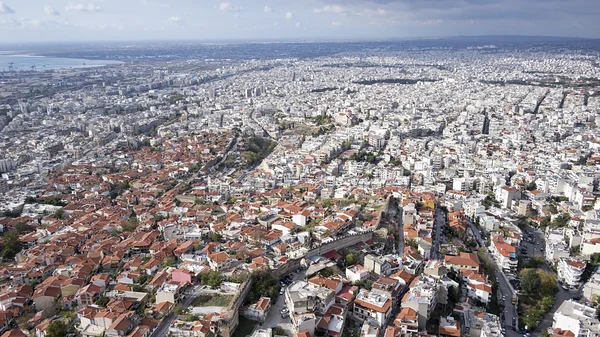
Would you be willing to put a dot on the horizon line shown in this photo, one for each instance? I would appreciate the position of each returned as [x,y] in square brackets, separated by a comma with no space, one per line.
[296,39]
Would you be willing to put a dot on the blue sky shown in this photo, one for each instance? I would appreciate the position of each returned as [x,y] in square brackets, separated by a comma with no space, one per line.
[94,20]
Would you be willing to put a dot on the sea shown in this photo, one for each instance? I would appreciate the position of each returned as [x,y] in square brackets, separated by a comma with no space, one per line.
[41,63]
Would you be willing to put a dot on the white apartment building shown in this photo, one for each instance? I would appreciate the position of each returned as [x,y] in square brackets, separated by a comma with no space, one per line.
[556,247]
[303,297]
[423,298]
[371,306]
[570,271]
[592,287]
[356,272]
[577,318]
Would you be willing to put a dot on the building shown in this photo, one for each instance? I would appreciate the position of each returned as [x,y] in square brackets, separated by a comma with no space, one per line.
[218,260]
[259,310]
[581,320]
[407,321]
[570,271]
[449,327]
[504,254]
[377,265]
[169,292]
[372,306]
[356,272]
[505,195]
[303,297]
[423,297]
[464,261]
[591,289]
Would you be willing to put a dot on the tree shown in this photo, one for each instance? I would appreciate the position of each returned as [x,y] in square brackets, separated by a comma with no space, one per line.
[350,259]
[56,328]
[412,243]
[215,237]
[11,245]
[364,284]
[530,281]
[212,279]
[532,186]
[327,272]
[23,227]
[453,296]
[547,286]
[263,284]
[60,213]
[102,301]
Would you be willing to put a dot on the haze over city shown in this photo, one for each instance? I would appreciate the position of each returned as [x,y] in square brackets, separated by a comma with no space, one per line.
[111,20]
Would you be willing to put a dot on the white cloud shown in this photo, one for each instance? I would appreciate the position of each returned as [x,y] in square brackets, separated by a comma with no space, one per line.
[297,24]
[227,7]
[101,26]
[334,9]
[28,24]
[336,23]
[175,20]
[275,23]
[268,9]
[51,11]
[4,9]
[289,15]
[89,8]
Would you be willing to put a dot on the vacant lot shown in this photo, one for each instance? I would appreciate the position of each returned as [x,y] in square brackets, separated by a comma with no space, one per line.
[212,300]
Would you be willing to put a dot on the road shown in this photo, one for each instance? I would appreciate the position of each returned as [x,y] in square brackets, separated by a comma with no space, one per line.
[163,326]
[274,317]
[503,285]
[438,225]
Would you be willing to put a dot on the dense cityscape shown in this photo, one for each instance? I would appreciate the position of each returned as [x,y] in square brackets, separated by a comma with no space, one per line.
[389,189]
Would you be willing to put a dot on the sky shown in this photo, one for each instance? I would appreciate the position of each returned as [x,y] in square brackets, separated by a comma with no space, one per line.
[206,20]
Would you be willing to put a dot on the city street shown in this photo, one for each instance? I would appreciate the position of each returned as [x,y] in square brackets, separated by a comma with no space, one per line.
[440,221]
[274,318]
[504,287]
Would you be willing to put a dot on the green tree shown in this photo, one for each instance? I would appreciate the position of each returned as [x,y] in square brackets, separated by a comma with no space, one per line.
[60,213]
[56,328]
[212,279]
[102,301]
[215,237]
[11,245]
[532,186]
[327,272]
[364,284]
[23,227]
[350,259]
[530,281]
[263,284]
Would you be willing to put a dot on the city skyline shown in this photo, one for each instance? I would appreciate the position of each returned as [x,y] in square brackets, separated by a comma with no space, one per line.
[110,20]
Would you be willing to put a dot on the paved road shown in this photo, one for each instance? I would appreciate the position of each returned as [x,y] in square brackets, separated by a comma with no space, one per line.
[504,287]
[438,225]
[274,317]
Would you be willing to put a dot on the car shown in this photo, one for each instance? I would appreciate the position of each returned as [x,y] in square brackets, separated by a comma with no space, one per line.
[281,291]
[284,311]
[285,315]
